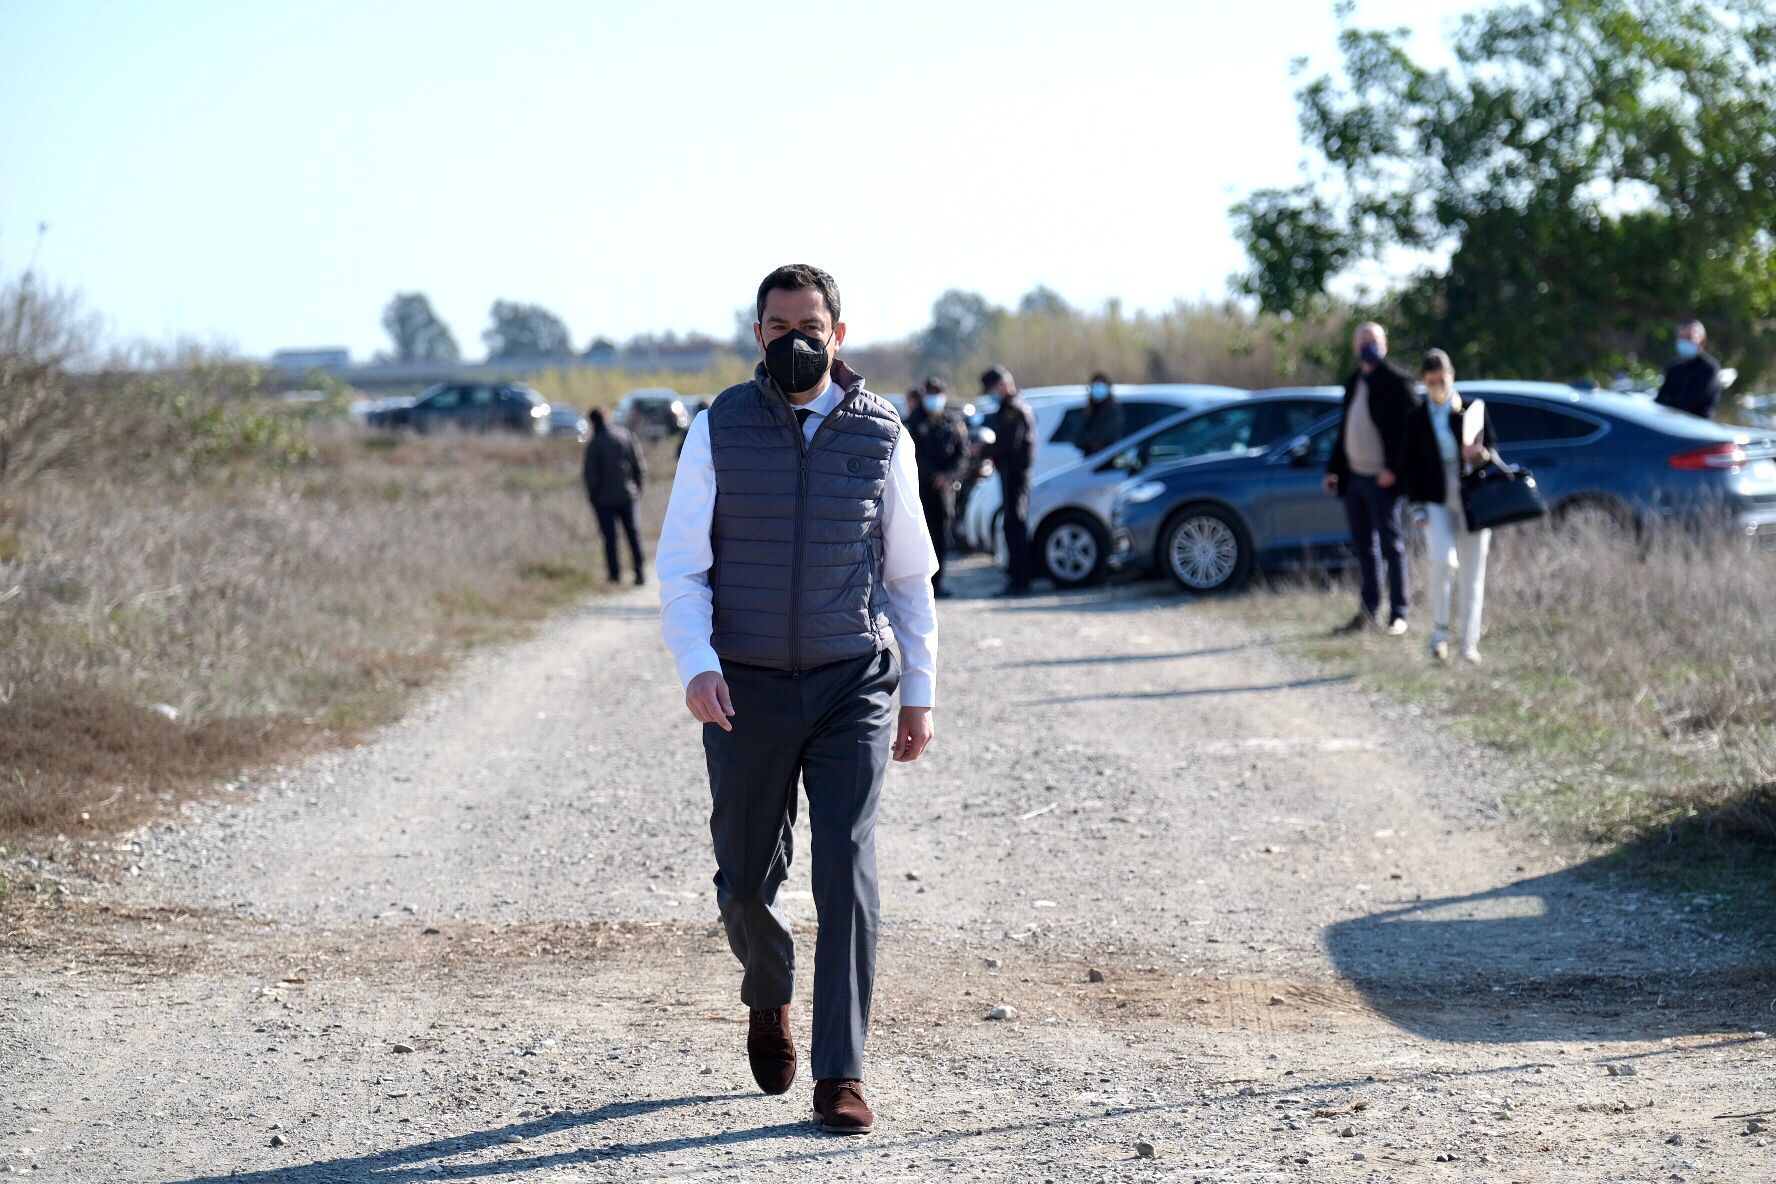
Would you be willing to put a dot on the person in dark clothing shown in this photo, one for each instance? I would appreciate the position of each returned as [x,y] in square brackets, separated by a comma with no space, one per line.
[1013,453]
[1103,417]
[1693,384]
[1365,469]
[940,445]
[614,473]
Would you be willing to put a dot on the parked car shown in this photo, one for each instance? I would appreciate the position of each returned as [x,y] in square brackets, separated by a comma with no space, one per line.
[1059,411]
[653,413]
[473,407]
[565,421]
[1070,507]
[1599,457]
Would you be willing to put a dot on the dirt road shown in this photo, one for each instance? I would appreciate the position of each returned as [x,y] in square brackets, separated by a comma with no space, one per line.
[483,947]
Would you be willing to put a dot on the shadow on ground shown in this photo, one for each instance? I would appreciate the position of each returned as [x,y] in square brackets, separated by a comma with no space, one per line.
[1564,956]
[420,1161]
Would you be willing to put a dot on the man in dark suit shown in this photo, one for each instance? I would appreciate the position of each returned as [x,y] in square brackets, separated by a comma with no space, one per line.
[613,472]
[1365,470]
[1693,384]
[1013,453]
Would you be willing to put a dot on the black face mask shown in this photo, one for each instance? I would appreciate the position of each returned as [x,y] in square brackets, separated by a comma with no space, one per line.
[795,361]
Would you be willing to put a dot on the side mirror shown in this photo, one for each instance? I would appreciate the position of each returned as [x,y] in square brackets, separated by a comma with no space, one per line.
[1128,460]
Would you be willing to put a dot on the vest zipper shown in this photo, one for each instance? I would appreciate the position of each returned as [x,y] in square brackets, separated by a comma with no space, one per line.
[804,446]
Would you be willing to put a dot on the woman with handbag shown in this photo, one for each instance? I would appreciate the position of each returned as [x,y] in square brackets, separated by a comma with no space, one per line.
[1445,442]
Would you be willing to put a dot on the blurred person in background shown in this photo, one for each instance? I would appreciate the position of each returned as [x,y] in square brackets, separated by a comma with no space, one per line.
[614,472]
[1445,441]
[940,444]
[1365,468]
[1013,453]
[1693,384]
[1103,416]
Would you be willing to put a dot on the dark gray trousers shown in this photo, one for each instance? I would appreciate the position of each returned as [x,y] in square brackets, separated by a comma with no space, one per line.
[834,728]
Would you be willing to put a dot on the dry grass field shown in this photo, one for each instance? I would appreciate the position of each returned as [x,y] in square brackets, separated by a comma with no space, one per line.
[1639,686]
[164,629]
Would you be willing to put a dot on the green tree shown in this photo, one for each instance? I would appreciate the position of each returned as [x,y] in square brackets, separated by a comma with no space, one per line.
[1586,174]
[1043,301]
[960,321]
[525,331]
[419,335]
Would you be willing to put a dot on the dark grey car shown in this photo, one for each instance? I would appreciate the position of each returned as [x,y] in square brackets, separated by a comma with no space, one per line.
[1615,458]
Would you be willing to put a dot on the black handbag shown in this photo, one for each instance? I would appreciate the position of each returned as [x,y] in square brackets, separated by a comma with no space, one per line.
[1498,494]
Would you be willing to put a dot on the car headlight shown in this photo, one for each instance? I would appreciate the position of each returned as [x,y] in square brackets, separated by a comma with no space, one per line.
[1146,491]
[539,410]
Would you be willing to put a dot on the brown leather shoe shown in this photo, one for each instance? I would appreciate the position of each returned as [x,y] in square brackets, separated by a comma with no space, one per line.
[770,1050]
[841,1107]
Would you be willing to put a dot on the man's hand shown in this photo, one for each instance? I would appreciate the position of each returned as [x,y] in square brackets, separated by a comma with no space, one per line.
[1330,481]
[707,697]
[1385,479]
[912,734]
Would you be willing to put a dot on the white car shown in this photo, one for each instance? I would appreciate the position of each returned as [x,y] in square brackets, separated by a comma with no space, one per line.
[1059,410]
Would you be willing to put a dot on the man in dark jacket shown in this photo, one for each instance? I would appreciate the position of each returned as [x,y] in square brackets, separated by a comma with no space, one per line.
[1103,417]
[614,473]
[1013,453]
[1367,463]
[940,445]
[1693,384]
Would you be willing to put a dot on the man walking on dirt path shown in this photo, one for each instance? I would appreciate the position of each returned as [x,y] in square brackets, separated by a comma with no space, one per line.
[1365,469]
[793,562]
[613,472]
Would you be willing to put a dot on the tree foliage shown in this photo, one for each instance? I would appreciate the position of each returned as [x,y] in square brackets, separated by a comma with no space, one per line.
[1586,174]
[960,321]
[525,331]
[419,335]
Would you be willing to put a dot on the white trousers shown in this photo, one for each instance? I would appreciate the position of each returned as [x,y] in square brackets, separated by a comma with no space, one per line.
[1455,554]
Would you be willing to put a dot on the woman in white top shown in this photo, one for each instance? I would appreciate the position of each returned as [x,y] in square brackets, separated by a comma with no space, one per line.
[1444,442]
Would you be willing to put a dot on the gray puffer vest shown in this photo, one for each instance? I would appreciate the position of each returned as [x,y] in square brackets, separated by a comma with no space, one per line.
[797,535]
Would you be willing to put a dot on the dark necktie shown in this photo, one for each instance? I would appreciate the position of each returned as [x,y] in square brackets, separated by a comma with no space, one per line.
[802,414]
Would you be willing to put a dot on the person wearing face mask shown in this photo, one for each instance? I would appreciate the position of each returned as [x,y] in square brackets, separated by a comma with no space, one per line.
[1103,417]
[1693,384]
[1445,441]
[1367,459]
[1013,453]
[940,444]
[795,596]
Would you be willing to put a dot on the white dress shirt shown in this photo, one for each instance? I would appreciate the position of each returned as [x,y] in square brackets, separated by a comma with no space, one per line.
[685,553]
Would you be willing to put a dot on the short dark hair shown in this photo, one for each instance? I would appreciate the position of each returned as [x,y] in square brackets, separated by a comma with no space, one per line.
[1435,359]
[994,377]
[595,417]
[935,385]
[1100,376]
[797,277]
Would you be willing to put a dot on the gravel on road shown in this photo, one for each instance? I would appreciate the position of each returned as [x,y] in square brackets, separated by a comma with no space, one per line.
[1161,902]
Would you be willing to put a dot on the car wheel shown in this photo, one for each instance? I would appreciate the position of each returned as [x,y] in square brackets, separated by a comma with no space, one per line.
[1075,550]
[1205,549]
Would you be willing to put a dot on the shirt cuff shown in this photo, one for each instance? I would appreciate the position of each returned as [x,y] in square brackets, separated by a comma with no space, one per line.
[700,660]
[916,690]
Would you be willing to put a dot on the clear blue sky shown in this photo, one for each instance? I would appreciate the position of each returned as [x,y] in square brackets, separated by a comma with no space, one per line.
[268,174]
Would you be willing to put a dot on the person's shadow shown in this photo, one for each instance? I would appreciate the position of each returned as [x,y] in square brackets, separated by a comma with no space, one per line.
[1600,951]
[418,1161]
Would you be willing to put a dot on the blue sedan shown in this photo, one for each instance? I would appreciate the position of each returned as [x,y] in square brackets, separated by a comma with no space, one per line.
[1210,523]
